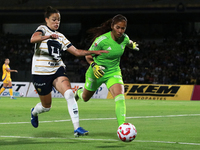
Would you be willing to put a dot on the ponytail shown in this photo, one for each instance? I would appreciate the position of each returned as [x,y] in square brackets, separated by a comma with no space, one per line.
[50,10]
[97,31]
[105,27]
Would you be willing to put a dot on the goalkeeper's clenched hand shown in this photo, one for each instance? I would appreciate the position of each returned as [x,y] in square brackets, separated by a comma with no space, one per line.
[97,70]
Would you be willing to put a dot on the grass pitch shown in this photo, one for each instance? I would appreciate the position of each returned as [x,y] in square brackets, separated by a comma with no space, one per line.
[161,125]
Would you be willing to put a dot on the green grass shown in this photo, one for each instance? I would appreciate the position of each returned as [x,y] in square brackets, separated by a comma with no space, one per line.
[159,124]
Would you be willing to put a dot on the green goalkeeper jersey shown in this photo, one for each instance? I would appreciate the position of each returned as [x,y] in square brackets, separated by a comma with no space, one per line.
[111,60]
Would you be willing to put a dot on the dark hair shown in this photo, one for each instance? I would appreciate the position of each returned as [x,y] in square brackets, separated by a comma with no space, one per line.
[105,27]
[118,18]
[50,10]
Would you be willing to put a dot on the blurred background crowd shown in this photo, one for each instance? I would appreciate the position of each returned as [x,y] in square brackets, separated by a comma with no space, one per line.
[174,60]
[167,33]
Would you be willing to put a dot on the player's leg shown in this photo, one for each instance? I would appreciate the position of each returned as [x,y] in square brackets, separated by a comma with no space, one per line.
[63,86]
[43,106]
[43,86]
[91,85]
[3,87]
[116,88]
[117,91]
[10,89]
[5,84]
[83,94]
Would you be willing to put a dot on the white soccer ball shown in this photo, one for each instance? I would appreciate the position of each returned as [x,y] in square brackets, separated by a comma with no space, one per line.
[21,94]
[126,132]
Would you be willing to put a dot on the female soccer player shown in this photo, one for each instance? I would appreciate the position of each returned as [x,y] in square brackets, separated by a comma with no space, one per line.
[105,68]
[49,70]
[7,82]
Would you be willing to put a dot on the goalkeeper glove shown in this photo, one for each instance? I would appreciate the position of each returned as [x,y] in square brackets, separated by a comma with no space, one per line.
[97,70]
[134,45]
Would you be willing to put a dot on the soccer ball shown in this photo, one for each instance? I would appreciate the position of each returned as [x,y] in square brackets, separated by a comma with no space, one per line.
[126,132]
[21,94]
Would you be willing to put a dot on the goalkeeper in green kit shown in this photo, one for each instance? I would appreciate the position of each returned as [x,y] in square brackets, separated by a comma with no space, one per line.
[105,68]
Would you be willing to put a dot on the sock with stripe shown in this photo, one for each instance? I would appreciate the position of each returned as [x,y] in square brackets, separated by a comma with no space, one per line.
[11,91]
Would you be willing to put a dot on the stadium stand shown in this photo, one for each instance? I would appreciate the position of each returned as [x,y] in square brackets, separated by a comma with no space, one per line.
[174,60]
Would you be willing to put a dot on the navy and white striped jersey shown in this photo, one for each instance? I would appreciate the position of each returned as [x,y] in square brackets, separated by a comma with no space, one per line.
[47,54]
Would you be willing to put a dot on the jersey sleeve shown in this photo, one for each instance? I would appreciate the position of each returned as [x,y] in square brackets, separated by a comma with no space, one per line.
[94,46]
[4,67]
[41,29]
[66,43]
[127,40]
[97,44]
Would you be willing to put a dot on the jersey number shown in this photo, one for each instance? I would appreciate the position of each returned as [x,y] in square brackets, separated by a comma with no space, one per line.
[54,48]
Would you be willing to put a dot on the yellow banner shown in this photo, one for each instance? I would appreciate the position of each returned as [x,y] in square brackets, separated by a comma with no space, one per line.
[157,92]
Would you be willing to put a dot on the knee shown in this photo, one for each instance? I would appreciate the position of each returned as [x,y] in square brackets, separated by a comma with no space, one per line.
[69,94]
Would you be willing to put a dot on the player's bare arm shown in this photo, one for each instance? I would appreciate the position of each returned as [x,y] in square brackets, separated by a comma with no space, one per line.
[37,37]
[11,70]
[89,59]
[79,52]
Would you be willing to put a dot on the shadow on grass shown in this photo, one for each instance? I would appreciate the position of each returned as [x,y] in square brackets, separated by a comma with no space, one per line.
[107,147]
[104,135]
[49,138]
[22,141]
[39,138]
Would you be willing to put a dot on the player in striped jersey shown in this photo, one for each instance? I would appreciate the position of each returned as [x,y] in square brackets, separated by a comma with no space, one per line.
[49,70]
[105,68]
[7,82]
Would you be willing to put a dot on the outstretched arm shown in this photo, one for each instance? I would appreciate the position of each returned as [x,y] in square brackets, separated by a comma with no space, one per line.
[11,70]
[79,52]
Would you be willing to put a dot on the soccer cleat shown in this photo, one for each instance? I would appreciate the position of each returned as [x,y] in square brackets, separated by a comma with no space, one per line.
[80,131]
[34,119]
[76,93]
[12,97]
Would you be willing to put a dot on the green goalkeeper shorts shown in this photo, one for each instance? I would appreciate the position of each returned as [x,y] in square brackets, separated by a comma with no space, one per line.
[92,83]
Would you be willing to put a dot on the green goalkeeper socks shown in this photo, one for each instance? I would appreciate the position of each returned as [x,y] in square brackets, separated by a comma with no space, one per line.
[120,109]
